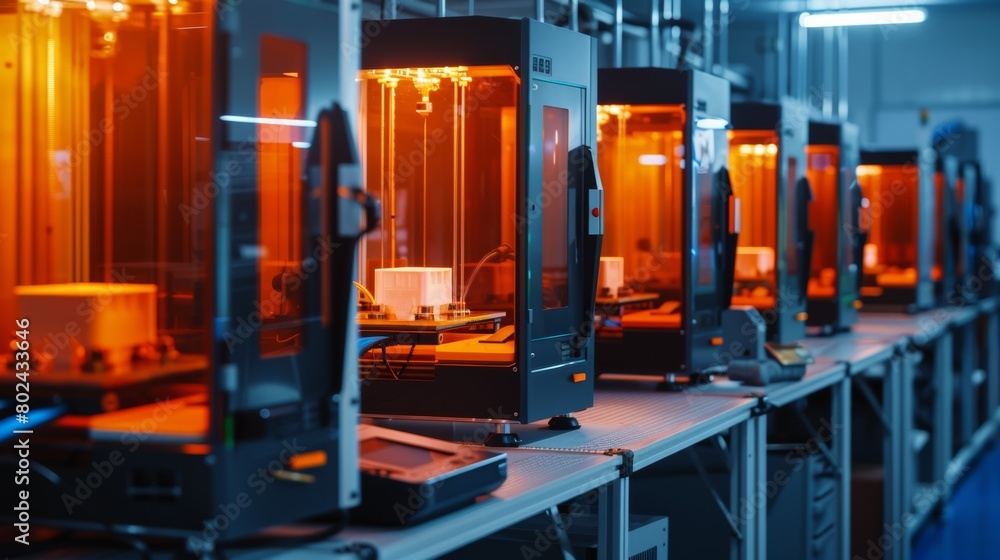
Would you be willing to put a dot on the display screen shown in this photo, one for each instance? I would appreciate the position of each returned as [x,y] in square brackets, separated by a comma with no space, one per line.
[399,454]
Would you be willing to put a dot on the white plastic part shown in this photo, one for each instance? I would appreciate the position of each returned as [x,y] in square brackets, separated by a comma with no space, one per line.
[405,288]
[870,255]
[611,275]
[69,318]
[754,262]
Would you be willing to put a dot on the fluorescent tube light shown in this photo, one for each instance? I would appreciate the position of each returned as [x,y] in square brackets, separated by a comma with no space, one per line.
[268,120]
[862,17]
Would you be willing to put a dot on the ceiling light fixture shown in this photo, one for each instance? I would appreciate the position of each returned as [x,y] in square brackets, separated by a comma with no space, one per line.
[863,17]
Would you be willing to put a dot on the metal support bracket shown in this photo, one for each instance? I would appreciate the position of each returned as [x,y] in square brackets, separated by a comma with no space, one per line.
[628,458]
[763,405]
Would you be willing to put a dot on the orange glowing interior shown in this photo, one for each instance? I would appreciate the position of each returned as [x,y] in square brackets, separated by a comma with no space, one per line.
[823,171]
[641,158]
[439,149]
[753,170]
[940,188]
[281,148]
[107,133]
[890,256]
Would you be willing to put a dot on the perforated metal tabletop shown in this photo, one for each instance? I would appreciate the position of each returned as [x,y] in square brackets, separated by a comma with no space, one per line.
[635,415]
[818,376]
[860,350]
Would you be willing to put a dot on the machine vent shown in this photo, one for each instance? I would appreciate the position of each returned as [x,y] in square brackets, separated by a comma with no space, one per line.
[648,554]
[541,65]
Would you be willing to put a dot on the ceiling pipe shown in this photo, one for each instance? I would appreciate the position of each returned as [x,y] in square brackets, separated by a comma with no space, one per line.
[655,34]
[708,37]
[724,33]
[619,17]
[842,75]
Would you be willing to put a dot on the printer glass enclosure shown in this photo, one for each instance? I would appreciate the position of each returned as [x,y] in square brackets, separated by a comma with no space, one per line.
[666,264]
[766,153]
[155,242]
[479,283]
[641,146]
[834,278]
[899,260]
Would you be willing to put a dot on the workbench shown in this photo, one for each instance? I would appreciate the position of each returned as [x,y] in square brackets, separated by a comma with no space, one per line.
[883,367]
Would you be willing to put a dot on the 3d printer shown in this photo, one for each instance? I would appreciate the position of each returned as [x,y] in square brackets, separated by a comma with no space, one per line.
[834,279]
[773,256]
[479,284]
[903,260]
[767,314]
[958,145]
[667,264]
[182,317]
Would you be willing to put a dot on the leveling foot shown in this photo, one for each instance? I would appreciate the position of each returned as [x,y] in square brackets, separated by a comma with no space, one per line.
[564,422]
[502,437]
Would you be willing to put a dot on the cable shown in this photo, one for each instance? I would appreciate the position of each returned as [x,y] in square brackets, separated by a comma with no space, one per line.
[407,362]
[385,361]
[505,251]
[365,291]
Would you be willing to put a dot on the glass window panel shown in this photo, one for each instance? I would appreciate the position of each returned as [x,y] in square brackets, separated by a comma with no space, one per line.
[438,148]
[823,172]
[753,164]
[891,252]
[641,158]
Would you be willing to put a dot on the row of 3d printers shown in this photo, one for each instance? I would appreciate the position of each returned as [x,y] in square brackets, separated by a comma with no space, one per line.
[508,272]
[183,309]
